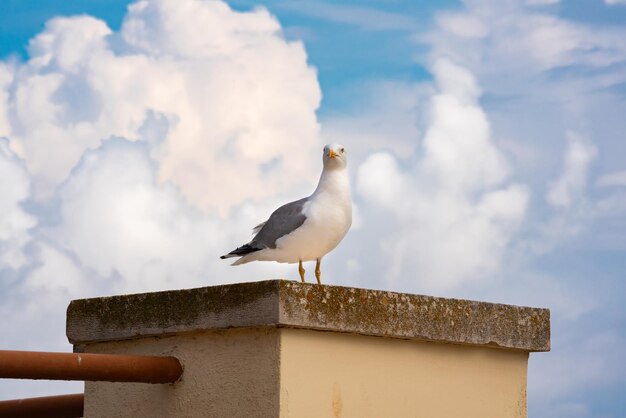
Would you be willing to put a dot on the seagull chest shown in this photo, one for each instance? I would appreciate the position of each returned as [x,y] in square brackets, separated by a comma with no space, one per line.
[327,222]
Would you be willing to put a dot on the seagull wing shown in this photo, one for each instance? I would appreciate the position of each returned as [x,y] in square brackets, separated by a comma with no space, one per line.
[283,221]
[257,228]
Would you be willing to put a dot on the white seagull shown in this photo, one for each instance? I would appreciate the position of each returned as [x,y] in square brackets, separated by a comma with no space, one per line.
[309,228]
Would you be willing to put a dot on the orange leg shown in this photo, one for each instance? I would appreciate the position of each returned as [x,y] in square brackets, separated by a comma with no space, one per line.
[318,272]
[301,271]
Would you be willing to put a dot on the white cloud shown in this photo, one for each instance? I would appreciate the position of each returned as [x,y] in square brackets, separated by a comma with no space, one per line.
[453,203]
[15,223]
[6,75]
[221,81]
[33,315]
[508,46]
[381,181]
[65,44]
[143,155]
[458,147]
[615,2]
[114,205]
[572,182]
[163,27]
[554,42]
[544,76]
[57,276]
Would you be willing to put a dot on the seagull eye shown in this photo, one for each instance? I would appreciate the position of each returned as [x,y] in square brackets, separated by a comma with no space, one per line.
[342,150]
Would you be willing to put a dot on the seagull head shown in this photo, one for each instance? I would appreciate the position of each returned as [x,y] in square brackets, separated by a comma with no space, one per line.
[335,156]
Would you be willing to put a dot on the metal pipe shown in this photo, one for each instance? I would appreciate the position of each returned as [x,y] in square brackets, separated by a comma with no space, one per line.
[61,406]
[89,367]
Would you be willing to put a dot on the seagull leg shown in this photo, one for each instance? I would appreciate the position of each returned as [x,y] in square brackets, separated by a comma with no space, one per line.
[318,272]
[301,271]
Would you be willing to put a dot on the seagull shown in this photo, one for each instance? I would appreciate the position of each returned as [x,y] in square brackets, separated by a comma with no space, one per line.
[309,228]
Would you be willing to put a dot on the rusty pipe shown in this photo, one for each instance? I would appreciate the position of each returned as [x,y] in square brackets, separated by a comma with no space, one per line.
[61,406]
[89,367]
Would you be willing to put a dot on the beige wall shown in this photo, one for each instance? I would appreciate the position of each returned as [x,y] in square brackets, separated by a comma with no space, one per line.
[327,374]
[302,373]
[226,374]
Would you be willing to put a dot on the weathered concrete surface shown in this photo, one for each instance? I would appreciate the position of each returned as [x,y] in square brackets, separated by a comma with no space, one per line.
[281,303]
[228,373]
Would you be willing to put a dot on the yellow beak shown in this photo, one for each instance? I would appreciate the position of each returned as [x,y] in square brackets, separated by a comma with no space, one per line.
[332,154]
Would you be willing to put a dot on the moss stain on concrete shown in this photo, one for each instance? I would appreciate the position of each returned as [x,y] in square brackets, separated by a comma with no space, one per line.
[169,308]
[416,316]
[305,305]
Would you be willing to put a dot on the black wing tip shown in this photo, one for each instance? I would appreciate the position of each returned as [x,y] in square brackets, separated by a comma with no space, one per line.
[241,251]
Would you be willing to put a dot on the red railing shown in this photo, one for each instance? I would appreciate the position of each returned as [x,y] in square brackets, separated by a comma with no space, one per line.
[62,406]
[90,367]
[78,366]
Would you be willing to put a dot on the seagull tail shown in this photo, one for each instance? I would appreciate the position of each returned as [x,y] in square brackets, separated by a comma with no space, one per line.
[245,259]
[240,252]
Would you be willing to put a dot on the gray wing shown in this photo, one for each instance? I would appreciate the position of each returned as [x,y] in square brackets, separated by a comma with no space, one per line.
[283,221]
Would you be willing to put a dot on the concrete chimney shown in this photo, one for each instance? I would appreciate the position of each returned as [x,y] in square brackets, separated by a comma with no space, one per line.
[288,349]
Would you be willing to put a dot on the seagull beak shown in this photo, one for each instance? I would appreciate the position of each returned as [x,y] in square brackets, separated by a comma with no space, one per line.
[332,154]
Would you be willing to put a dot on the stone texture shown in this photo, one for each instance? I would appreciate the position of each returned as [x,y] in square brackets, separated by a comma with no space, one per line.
[228,373]
[281,303]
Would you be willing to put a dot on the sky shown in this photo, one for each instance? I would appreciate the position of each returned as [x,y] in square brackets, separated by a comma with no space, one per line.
[139,141]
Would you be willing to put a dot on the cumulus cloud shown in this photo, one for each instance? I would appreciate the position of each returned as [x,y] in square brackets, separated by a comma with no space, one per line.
[33,313]
[152,236]
[458,147]
[203,68]
[133,159]
[549,80]
[113,204]
[15,222]
[219,103]
[514,80]
[544,80]
[453,204]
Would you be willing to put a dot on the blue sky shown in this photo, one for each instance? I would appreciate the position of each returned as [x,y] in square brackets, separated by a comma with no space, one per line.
[486,141]
[334,46]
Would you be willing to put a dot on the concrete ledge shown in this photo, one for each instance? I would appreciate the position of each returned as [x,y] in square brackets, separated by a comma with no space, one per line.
[282,303]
